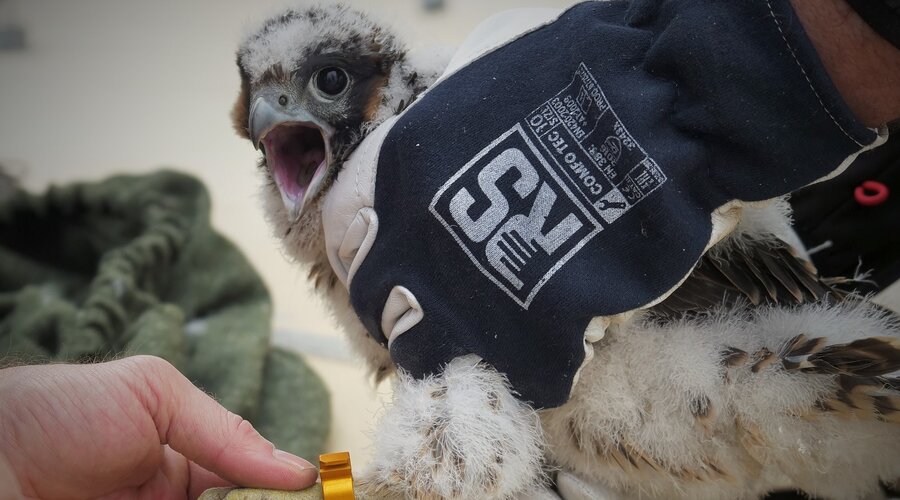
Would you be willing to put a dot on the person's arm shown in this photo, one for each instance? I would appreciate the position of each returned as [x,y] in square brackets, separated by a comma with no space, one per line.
[865,68]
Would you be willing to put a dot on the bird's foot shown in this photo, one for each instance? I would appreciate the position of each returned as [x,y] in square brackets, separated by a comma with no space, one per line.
[461,434]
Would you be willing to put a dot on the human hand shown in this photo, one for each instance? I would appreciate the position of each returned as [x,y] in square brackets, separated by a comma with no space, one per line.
[129,428]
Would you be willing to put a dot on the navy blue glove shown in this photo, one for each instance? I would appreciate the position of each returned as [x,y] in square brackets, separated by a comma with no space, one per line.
[572,172]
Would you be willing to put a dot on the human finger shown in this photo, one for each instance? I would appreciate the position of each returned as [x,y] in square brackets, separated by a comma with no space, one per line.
[195,425]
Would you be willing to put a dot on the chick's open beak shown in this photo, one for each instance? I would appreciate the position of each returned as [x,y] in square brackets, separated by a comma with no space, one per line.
[297,149]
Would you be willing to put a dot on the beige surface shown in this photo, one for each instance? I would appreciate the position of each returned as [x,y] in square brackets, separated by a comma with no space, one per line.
[312,493]
[110,86]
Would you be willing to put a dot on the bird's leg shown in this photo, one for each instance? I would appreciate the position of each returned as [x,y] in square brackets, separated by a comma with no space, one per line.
[461,434]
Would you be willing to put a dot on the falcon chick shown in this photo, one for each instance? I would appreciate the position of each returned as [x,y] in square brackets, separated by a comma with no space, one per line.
[314,81]
[754,374]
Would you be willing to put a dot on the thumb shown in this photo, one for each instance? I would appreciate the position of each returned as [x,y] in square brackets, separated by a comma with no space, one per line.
[202,430]
[9,485]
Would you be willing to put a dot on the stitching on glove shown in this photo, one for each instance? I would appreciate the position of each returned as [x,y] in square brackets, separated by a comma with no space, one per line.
[357,179]
[802,70]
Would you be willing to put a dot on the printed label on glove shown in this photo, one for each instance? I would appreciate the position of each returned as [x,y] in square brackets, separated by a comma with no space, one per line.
[580,131]
[526,203]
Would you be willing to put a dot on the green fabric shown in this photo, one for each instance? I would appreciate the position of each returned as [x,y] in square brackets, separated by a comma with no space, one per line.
[131,265]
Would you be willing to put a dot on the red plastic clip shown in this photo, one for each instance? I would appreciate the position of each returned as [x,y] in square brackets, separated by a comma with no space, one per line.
[871,193]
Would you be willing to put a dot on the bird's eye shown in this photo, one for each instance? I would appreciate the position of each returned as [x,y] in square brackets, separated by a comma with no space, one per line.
[331,81]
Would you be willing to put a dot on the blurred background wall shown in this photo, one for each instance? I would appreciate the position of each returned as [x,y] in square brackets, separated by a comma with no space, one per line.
[111,86]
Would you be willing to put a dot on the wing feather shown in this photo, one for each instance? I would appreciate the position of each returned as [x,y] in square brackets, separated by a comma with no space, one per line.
[761,272]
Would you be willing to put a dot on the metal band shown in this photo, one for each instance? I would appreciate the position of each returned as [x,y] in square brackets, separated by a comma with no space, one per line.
[337,476]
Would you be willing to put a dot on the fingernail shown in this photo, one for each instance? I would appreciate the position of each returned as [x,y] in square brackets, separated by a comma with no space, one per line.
[293,460]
